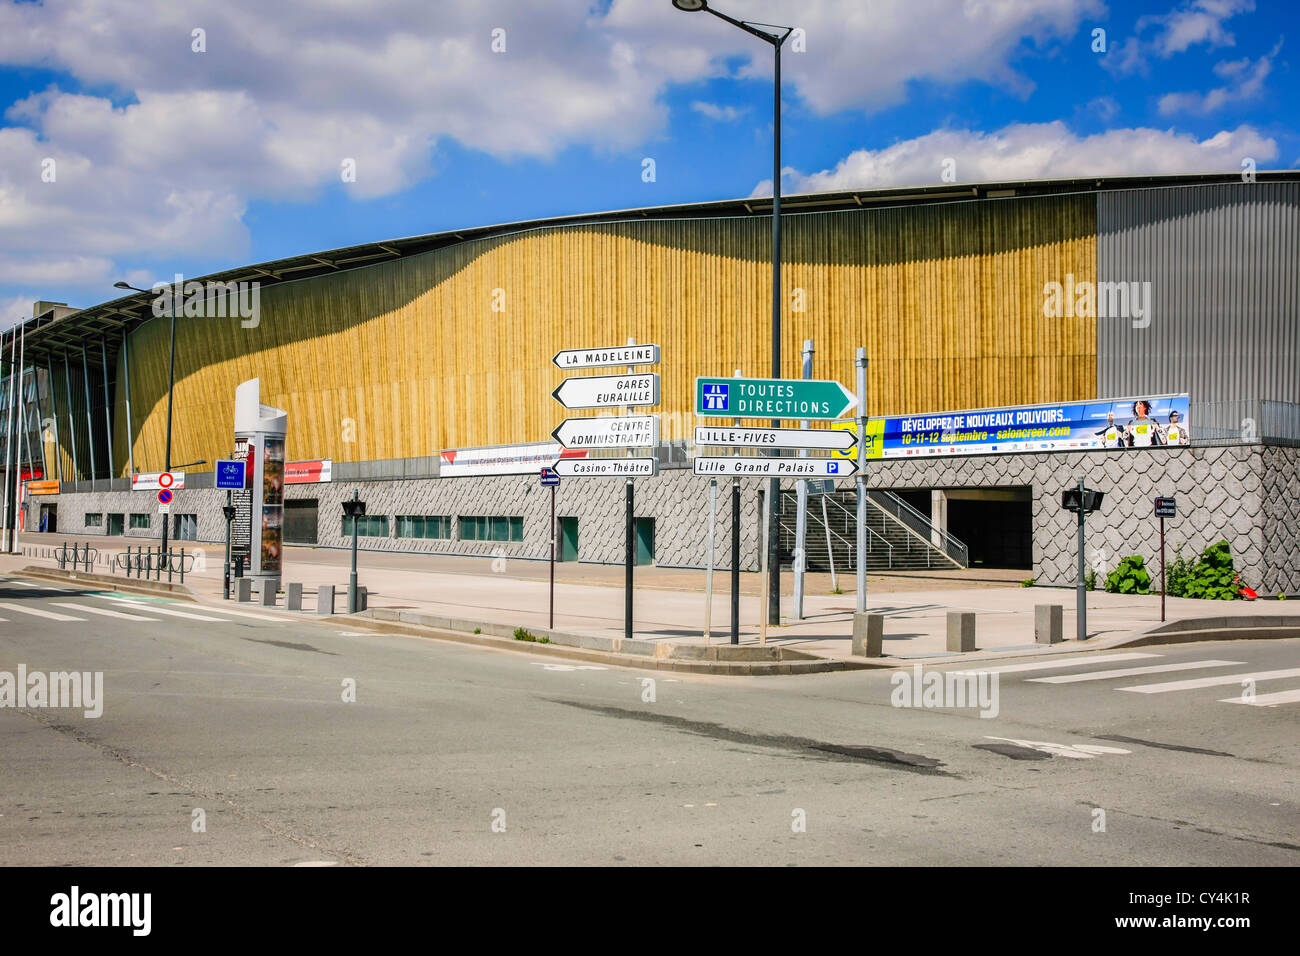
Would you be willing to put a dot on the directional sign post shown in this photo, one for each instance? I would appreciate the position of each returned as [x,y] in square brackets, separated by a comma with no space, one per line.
[772,398]
[775,467]
[609,391]
[630,431]
[1165,508]
[607,467]
[820,438]
[601,358]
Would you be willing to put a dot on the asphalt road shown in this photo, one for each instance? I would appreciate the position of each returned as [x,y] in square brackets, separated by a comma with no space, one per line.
[452,754]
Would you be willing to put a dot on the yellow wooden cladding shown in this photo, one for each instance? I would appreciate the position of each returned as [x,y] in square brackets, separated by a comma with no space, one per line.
[453,348]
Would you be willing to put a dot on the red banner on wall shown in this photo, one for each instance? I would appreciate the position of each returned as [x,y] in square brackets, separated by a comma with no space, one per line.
[307,472]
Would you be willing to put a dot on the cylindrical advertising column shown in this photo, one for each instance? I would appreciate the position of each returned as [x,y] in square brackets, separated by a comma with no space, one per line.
[258,531]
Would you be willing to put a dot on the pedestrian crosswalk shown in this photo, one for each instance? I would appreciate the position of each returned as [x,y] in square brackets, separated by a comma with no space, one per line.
[1120,678]
[72,605]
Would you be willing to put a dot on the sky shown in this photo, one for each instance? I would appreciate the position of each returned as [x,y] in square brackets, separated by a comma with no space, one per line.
[144,138]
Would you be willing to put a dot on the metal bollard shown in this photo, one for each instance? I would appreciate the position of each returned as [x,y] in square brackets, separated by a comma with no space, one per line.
[244,590]
[868,634]
[182,565]
[325,600]
[363,598]
[293,597]
[961,631]
[1048,623]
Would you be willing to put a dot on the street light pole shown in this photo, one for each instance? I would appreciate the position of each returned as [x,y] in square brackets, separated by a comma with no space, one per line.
[775,35]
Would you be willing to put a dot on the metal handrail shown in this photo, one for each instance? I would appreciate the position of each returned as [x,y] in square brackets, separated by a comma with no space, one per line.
[919,525]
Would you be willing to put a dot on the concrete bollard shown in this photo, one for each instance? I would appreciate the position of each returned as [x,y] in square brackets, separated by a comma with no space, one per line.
[325,600]
[961,631]
[1048,627]
[243,590]
[293,597]
[868,634]
[268,594]
[363,597]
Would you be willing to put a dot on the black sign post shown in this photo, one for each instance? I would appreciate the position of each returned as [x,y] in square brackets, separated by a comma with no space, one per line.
[1081,501]
[1165,508]
[550,480]
[229,512]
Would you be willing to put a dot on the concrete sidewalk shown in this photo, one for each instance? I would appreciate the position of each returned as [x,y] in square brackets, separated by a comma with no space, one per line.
[669,602]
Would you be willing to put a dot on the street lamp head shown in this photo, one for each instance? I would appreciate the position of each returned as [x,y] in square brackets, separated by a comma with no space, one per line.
[120,285]
[690,6]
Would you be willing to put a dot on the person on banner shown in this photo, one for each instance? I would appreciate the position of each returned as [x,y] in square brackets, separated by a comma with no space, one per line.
[1175,433]
[1143,430]
[1112,436]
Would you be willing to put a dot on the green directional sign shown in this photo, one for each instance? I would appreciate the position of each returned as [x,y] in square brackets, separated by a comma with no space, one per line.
[772,398]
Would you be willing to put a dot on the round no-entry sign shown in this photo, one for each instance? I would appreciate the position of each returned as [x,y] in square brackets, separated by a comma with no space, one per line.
[164,497]
[165,479]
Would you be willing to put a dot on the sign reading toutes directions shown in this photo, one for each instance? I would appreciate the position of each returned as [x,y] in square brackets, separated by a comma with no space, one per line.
[775,467]
[774,437]
[608,391]
[772,398]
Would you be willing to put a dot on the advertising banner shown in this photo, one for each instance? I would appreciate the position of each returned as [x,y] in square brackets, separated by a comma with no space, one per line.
[504,459]
[241,529]
[272,504]
[1120,424]
[308,472]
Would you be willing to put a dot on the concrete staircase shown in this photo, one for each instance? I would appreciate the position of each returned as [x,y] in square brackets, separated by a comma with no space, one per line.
[891,543]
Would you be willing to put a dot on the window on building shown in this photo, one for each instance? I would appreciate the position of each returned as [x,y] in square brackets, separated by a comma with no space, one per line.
[423,526]
[185,527]
[494,528]
[139,521]
[94,519]
[368,526]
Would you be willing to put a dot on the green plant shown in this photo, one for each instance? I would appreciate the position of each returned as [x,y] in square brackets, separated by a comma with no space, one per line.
[1179,575]
[1212,577]
[544,640]
[1130,577]
[1281,596]
[478,630]
[1027,583]
[1090,580]
[522,635]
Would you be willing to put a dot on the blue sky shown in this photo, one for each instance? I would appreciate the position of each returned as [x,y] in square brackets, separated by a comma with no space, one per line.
[168,158]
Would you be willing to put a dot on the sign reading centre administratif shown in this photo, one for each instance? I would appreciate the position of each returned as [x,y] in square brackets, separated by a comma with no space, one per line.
[1120,424]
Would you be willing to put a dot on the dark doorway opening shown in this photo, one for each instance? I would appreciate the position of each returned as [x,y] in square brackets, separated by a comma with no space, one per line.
[999,533]
[300,520]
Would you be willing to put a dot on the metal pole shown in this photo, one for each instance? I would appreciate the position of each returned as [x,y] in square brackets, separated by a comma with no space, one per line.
[72,421]
[352,578]
[1162,567]
[830,555]
[801,508]
[773,601]
[861,524]
[735,561]
[90,422]
[226,568]
[9,423]
[54,413]
[552,624]
[126,380]
[767,580]
[631,554]
[26,439]
[171,388]
[1081,613]
[708,575]
[108,411]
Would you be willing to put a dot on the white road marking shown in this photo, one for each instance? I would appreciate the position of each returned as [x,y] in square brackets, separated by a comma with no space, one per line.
[43,587]
[570,667]
[104,611]
[1266,700]
[52,615]
[232,611]
[1073,751]
[1049,665]
[1211,681]
[154,609]
[1130,672]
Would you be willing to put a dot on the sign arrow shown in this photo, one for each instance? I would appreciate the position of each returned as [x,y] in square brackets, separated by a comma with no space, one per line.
[600,358]
[776,467]
[821,399]
[608,391]
[630,431]
[607,467]
[821,438]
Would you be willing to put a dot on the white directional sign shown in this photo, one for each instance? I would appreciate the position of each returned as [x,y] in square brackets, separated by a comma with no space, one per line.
[776,467]
[606,467]
[820,438]
[615,355]
[609,391]
[630,431]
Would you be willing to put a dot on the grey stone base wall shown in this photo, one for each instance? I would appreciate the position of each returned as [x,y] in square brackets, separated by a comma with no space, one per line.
[1248,495]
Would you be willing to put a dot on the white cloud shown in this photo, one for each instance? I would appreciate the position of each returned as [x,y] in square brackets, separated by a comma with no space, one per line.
[1032,151]
[722,114]
[1194,24]
[1245,81]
